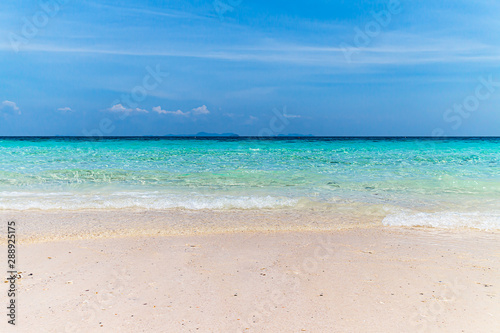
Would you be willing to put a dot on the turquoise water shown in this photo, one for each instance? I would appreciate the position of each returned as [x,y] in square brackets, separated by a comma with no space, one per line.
[440,182]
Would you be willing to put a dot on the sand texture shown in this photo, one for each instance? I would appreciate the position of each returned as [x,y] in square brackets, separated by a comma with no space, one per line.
[377,279]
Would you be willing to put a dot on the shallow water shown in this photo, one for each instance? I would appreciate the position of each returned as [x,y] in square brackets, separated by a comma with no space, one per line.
[415,181]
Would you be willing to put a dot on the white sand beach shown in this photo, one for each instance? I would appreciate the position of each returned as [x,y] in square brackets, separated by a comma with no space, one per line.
[369,279]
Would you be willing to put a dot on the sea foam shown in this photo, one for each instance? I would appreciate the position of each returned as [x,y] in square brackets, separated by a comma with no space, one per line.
[138,200]
[476,220]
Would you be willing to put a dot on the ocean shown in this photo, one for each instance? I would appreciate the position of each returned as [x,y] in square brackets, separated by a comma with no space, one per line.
[435,182]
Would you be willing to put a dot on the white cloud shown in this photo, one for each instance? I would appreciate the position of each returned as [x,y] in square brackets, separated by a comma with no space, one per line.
[118,108]
[159,110]
[121,108]
[196,111]
[251,120]
[65,109]
[201,110]
[10,105]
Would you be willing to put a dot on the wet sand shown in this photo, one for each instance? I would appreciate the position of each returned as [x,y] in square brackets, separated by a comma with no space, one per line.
[370,279]
[53,225]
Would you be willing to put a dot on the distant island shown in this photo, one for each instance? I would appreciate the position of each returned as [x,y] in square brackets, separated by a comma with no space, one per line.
[295,134]
[206,134]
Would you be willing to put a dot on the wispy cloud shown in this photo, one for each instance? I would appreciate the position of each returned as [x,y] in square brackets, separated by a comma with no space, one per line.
[121,109]
[139,11]
[117,108]
[159,110]
[10,106]
[399,49]
[251,120]
[65,109]
[201,110]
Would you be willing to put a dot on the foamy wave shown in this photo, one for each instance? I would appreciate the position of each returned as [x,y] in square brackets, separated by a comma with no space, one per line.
[476,220]
[68,201]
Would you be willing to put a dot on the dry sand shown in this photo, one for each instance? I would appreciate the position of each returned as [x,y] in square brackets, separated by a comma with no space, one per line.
[375,279]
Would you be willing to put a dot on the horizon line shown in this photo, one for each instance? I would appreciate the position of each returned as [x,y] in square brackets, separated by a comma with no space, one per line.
[249,136]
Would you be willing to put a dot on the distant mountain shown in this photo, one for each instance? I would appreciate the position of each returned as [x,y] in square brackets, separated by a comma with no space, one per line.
[206,134]
[215,134]
[202,134]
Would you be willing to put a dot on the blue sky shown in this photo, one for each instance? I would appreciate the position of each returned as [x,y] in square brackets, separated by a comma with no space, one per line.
[250,67]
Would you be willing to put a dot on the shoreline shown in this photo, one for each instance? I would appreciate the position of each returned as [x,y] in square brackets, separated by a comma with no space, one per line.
[47,226]
[43,226]
[358,280]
